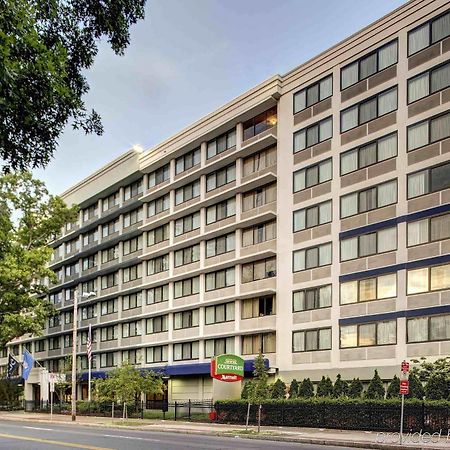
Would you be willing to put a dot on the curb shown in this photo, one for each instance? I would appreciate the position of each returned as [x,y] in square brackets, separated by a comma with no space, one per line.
[279,438]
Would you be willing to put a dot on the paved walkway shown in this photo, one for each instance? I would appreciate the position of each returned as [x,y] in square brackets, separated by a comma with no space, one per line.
[359,439]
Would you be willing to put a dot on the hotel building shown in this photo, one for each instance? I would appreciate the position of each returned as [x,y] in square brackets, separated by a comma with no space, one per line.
[308,218]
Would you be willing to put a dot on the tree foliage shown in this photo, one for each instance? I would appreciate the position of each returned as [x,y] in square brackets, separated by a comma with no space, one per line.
[125,383]
[293,389]
[375,390]
[340,388]
[306,389]
[278,389]
[393,390]
[45,49]
[416,389]
[325,387]
[258,387]
[29,219]
[437,387]
[356,388]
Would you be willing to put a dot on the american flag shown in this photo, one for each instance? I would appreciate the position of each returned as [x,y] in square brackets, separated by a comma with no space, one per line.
[89,344]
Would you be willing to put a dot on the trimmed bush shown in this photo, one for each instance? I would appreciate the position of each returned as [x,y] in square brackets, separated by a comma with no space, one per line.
[393,390]
[340,388]
[306,389]
[436,387]
[356,388]
[293,389]
[375,390]
[325,387]
[416,389]
[278,389]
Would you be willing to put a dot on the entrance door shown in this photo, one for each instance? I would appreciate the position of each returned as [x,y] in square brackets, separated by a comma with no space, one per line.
[37,396]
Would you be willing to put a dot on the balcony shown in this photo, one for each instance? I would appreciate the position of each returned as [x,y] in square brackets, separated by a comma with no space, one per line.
[259,285]
[263,323]
[260,210]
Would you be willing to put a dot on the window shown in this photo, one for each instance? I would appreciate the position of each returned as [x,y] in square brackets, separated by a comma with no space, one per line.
[110,254]
[186,287]
[71,225]
[370,64]
[84,336]
[380,241]
[109,359]
[110,201]
[258,307]
[427,230]
[428,279]
[426,329]
[89,262]
[158,353]
[72,246]
[158,294]
[311,340]
[158,205]
[259,161]
[39,346]
[132,217]
[108,333]
[187,223]
[188,192]
[131,356]
[259,270]
[132,273]
[132,245]
[429,180]
[220,279]
[89,286]
[312,257]
[157,324]
[313,94]
[313,216]
[72,270]
[158,264]
[259,233]
[132,301]
[158,176]
[185,319]
[428,131]
[429,82]
[131,329]
[259,197]
[374,152]
[109,306]
[370,109]
[312,298]
[313,134]
[368,199]
[369,334]
[110,228]
[90,238]
[158,235]
[88,312]
[221,144]
[54,343]
[220,245]
[184,351]
[428,33]
[187,255]
[56,297]
[313,175]
[220,346]
[187,161]
[132,190]
[54,321]
[221,211]
[90,212]
[260,123]
[221,177]
[253,344]
[219,313]
[110,280]
[368,289]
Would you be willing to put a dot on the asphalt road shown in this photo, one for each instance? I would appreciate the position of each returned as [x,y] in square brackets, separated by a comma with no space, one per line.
[39,436]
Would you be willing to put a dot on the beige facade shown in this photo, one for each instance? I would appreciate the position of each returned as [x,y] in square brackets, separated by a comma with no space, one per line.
[308,217]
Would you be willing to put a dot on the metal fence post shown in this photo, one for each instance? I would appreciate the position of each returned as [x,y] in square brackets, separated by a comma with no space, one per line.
[142,410]
[189,409]
[175,414]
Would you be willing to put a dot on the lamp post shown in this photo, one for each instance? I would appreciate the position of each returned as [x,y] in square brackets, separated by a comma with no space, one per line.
[74,349]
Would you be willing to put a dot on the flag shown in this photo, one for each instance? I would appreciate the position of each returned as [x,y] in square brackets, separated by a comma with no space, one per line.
[89,344]
[12,364]
[28,362]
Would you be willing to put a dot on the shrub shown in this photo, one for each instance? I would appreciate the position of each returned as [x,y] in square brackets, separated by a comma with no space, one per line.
[375,389]
[278,389]
[306,389]
[246,389]
[436,387]
[325,387]
[356,388]
[393,390]
[293,389]
[340,388]
[416,389]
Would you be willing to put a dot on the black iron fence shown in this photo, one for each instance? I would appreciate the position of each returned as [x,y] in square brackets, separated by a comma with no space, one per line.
[352,416]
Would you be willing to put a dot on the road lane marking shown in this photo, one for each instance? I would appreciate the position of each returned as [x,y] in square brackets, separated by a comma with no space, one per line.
[131,437]
[47,441]
[38,428]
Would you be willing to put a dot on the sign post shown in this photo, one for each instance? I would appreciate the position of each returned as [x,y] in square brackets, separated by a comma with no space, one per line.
[51,379]
[404,390]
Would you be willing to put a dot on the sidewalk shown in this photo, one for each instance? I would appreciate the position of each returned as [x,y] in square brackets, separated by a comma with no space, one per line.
[343,438]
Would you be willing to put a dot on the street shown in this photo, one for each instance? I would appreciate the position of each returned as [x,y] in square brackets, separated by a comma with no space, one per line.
[16,435]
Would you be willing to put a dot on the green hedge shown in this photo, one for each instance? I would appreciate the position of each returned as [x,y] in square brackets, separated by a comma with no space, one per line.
[341,413]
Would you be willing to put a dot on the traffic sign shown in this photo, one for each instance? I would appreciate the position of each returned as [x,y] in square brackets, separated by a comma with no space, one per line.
[404,387]
[405,367]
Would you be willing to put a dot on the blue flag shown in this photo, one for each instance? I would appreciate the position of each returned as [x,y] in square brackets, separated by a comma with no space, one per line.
[12,364]
[28,362]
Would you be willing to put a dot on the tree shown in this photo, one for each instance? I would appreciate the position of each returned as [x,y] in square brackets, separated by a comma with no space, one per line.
[375,390]
[436,387]
[125,383]
[45,51]
[356,388]
[245,390]
[278,389]
[29,219]
[340,388]
[393,390]
[306,389]
[10,391]
[425,370]
[325,387]
[293,389]
[258,389]
[416,389]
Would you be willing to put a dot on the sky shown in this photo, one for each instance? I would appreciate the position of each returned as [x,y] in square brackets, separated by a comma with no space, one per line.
[189,57]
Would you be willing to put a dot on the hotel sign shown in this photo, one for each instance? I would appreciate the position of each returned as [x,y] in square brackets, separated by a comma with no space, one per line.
[227,368]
